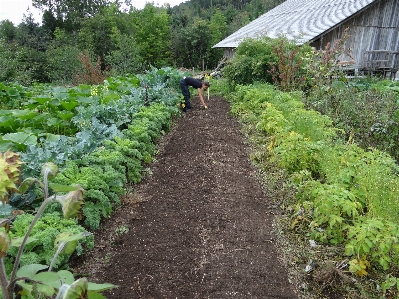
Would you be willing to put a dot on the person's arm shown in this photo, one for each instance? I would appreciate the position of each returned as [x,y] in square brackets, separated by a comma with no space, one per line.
[201,98]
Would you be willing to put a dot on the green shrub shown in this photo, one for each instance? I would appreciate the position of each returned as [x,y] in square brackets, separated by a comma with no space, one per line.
[333,209]
[370,116]
[251,62]
[62,63]
[266,60]
[41,238]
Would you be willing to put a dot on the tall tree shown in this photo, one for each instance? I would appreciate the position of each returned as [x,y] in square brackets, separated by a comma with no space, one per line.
[218,30]
[195,44]
[125,58]
[70,11]
[152,32]
[96,33]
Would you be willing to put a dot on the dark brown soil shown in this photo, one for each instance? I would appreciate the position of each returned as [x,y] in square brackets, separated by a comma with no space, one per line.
[199,225]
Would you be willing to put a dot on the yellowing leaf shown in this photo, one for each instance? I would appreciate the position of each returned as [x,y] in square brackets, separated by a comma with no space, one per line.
[4,243]
[362,273]
[72,203]
[10,165]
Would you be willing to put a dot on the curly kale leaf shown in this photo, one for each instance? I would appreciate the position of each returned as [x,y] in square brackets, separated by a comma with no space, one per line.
[92,215]
[106,157]
[47,228]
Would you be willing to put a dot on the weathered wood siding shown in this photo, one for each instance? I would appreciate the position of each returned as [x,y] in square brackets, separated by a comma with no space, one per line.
[229,52]
[375,28]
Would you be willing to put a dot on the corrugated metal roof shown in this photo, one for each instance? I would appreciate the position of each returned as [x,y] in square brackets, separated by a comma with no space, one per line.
[302,20]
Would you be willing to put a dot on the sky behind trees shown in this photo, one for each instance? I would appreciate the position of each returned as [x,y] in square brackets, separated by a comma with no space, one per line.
[14,10]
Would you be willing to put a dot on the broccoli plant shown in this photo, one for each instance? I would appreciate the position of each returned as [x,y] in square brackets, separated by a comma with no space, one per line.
[36,280]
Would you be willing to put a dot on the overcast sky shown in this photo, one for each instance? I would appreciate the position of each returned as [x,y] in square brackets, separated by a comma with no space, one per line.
[14,10]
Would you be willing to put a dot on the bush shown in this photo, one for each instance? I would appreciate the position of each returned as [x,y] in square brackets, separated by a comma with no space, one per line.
[251,62]
[62,63]
[257,60]
[368,116]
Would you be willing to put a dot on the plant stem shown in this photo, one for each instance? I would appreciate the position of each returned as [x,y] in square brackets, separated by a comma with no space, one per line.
[3,279]
[60,248]
[21,248]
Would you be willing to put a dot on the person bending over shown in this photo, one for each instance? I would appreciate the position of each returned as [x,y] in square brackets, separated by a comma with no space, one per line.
[196,83]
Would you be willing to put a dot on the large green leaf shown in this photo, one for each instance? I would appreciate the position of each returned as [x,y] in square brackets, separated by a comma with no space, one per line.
[40,117]
[84,89]
[66,277]
[24,114]
[55,103]
[51,279]
[61,93]
[52,137]
[65,115]
[42,99]
[30,270]
[21,138]
[45,289]
[53,121]
[13,93]
[5,145]
[6,121]
[111,97]
[100,287]
[69,105]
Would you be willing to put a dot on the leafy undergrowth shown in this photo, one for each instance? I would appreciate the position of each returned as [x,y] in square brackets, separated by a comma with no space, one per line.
[318,271]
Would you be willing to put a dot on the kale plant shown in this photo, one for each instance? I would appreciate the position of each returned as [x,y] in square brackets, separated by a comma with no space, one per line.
[33,279]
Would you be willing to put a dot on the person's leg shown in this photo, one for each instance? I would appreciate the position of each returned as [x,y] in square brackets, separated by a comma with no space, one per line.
[186,93]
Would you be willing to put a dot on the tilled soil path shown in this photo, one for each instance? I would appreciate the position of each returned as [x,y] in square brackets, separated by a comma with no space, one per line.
[198,226]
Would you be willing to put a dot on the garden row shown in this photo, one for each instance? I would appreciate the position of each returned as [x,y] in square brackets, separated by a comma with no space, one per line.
[102,146]
[345,196]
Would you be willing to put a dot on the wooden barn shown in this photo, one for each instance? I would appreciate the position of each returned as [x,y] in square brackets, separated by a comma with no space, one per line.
[373,26]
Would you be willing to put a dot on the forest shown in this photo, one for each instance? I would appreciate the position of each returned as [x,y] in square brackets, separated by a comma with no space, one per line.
[117,38]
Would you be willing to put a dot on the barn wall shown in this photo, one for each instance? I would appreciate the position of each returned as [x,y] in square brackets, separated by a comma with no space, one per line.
[375,28]
[228,52]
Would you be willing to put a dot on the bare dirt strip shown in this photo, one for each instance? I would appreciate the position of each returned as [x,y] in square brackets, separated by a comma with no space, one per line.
[198,226]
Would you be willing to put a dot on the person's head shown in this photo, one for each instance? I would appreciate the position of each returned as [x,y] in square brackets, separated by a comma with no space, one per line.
[205,85]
